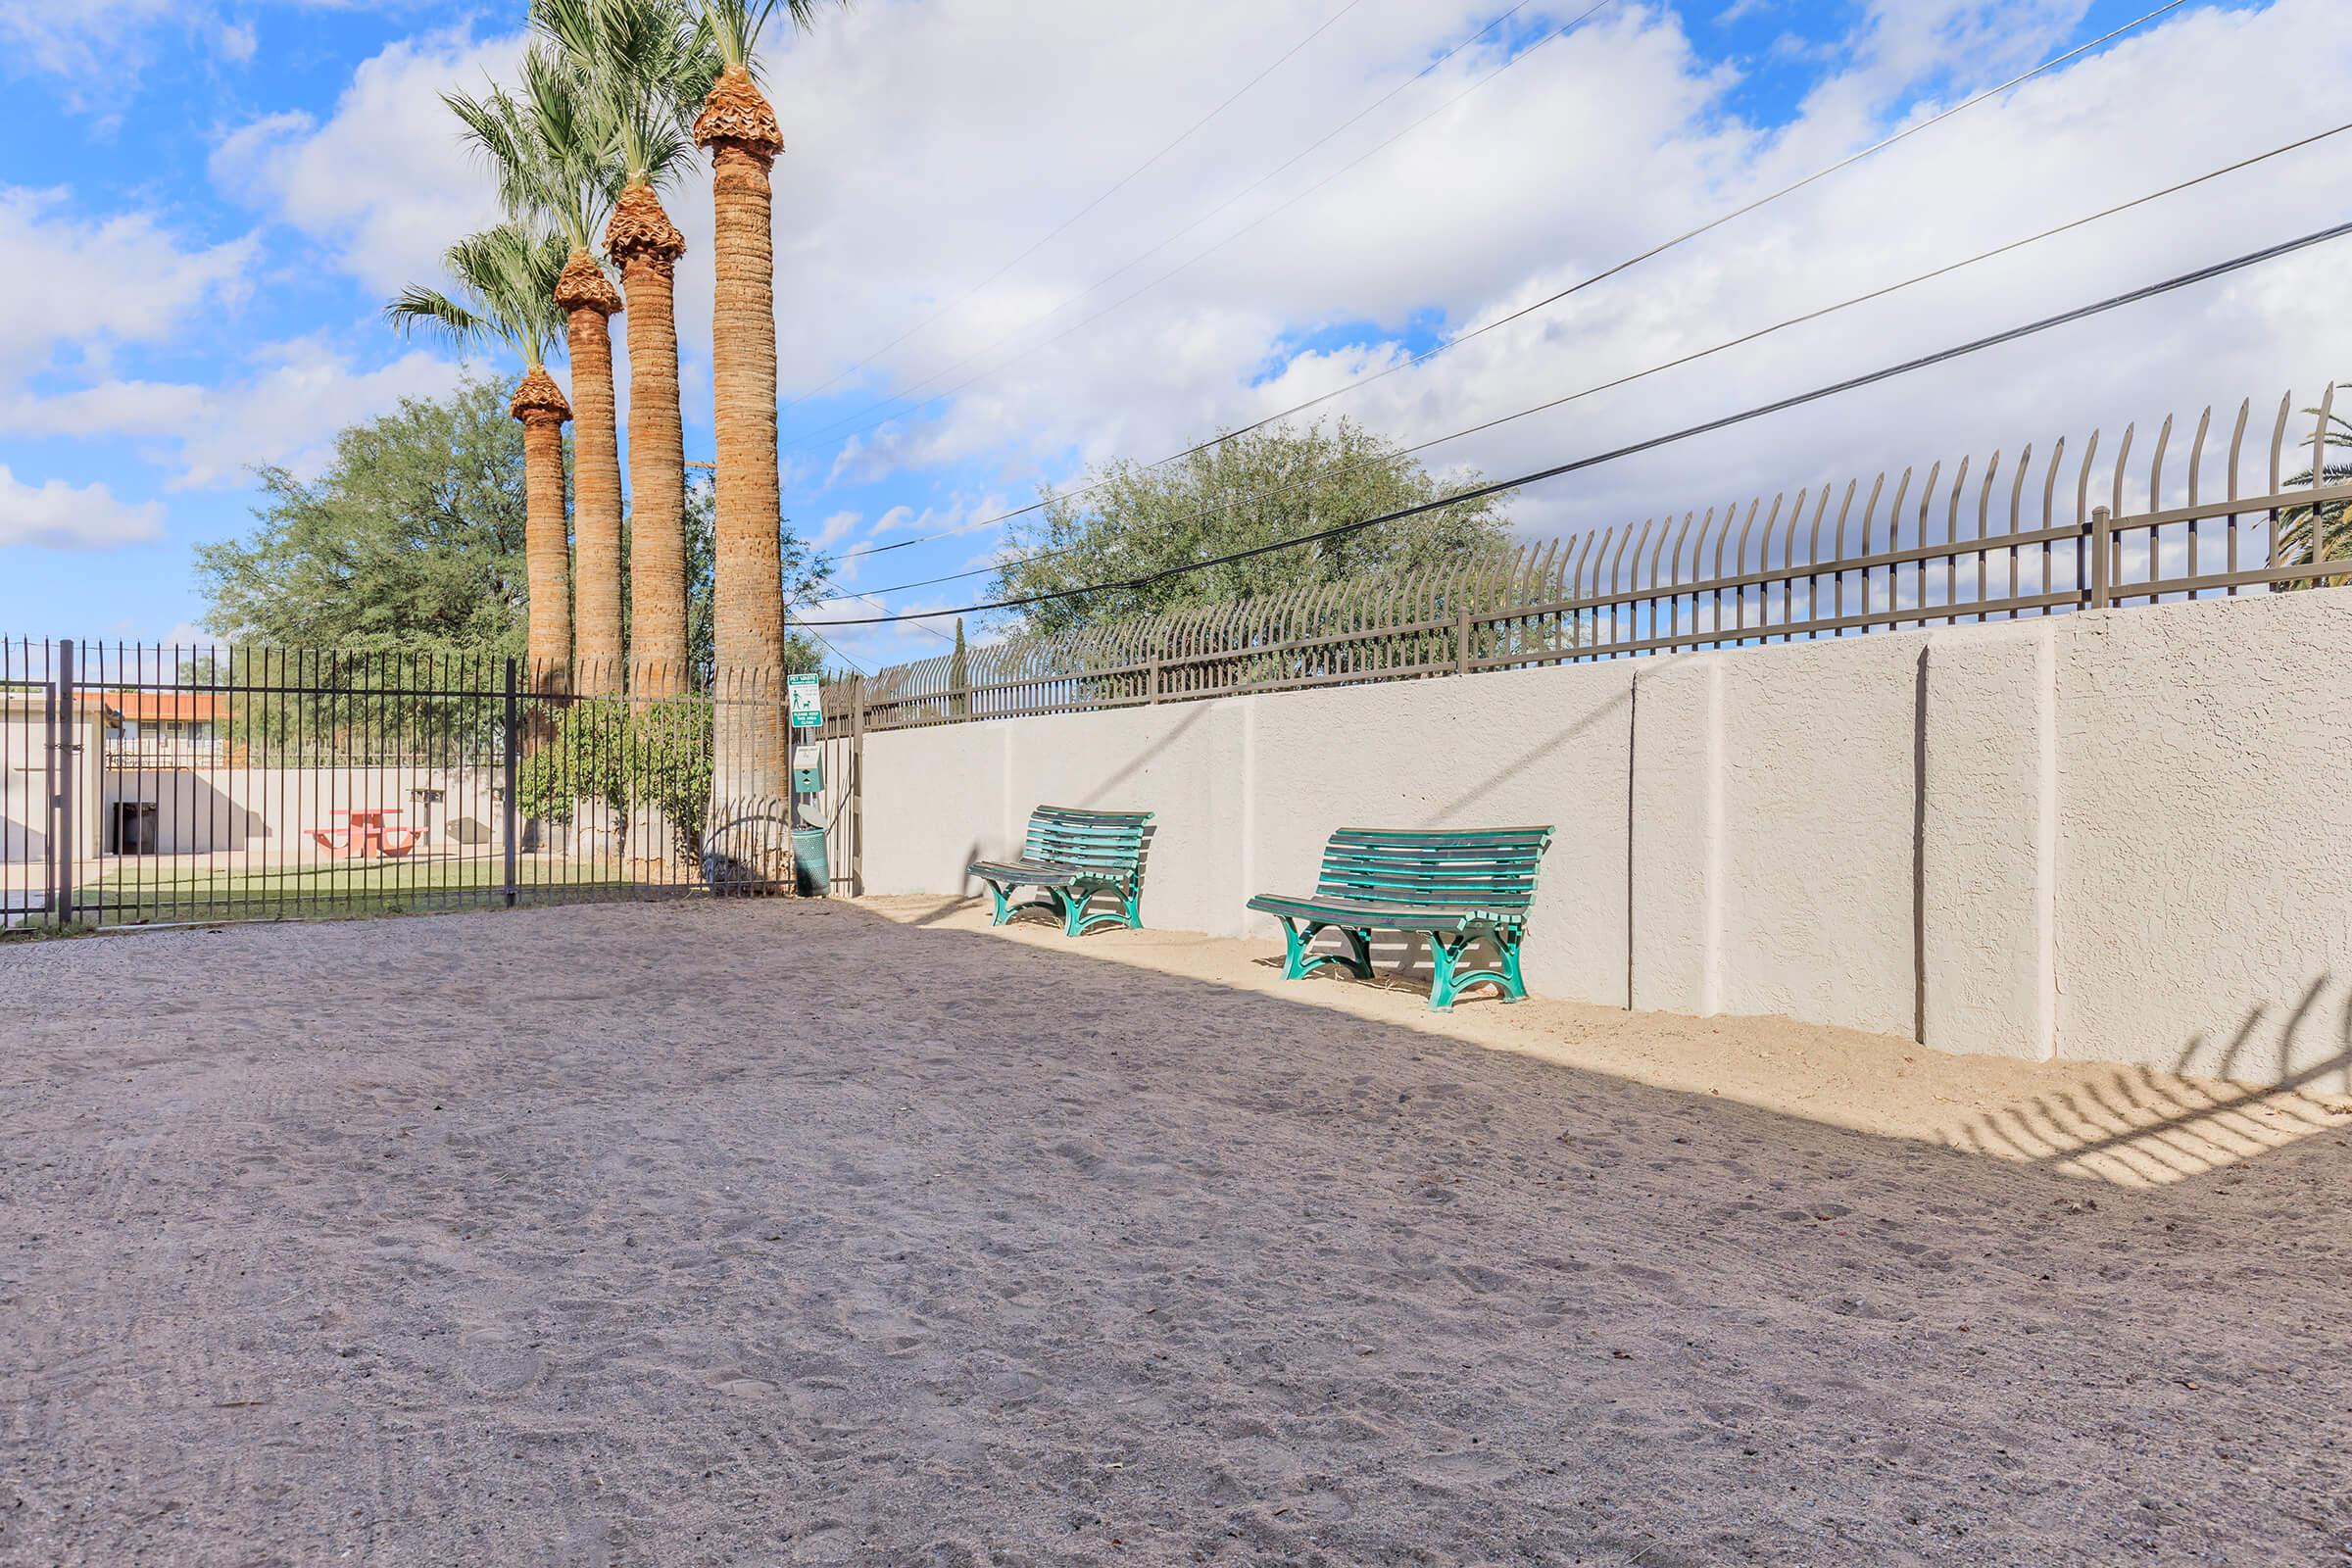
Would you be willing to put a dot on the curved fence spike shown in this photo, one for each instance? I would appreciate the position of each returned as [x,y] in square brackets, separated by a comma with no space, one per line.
[2090,454]
[2196,460]
[2286,406]
[2237,441]
[2164,439]
[2123,455]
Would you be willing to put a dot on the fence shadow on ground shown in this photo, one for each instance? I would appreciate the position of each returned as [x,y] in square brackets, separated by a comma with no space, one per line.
[2143,1126]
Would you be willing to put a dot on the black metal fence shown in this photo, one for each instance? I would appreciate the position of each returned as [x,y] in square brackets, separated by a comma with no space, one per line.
[160,786]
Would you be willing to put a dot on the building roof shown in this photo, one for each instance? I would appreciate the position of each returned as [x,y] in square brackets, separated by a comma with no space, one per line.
[157,708]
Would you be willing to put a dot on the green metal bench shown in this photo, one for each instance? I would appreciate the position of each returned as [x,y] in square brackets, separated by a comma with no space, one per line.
[1458,887]
[1070,856]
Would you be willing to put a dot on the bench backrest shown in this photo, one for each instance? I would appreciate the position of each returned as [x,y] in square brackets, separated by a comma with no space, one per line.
[1491,868]
[1099,840]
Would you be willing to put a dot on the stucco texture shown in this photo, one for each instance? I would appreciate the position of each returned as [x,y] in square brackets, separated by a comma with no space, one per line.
[2118,836]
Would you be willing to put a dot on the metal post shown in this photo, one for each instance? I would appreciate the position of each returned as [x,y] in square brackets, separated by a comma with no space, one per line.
[856,785]
[63,782]
[1154,688]
[1461,639]
[510,817]
[2101,590]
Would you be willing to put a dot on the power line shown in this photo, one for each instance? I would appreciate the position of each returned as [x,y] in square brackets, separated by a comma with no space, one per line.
[1655,251]
[1740,341]
[819,437]
[1798,400]
[1294,159]
[1072,221]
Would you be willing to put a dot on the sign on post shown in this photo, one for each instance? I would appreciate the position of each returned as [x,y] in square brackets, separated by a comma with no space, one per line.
[808,707]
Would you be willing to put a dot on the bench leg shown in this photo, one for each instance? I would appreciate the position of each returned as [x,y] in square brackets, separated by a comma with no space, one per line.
[1514,986]
[1448,976]
[1298,962]
[1003,911]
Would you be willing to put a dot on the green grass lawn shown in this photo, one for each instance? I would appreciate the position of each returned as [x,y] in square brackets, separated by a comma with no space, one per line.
[157,891]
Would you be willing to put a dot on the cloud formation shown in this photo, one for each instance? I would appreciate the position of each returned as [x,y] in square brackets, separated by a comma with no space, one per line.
[57,516]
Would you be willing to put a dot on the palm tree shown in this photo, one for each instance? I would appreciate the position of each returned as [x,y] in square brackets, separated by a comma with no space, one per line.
[641,64]
[555,170]
[506,277]
[2321,533]
[739,129]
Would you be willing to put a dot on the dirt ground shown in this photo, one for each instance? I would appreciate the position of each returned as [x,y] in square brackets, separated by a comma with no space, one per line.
[788,1233]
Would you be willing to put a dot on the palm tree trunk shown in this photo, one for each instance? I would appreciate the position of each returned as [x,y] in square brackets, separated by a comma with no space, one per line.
[642,238]
[538,403]
[747,616]
[588,300]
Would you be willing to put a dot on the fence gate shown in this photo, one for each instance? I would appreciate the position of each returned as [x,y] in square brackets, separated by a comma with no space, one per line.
[162,786]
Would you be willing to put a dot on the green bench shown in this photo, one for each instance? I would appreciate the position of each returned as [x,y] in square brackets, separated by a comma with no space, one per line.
[1071,856]
[1458,887]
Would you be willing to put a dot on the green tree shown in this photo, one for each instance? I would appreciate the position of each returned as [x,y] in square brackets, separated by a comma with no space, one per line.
[1277,483]
[2322,533]
[804,576]
[412,539]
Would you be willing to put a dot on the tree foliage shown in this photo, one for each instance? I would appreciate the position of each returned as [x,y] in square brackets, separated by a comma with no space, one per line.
[1271,484]
[2322,533]
[629,757]
[412,539]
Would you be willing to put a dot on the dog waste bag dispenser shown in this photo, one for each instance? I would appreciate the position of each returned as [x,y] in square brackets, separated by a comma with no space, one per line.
[811,872]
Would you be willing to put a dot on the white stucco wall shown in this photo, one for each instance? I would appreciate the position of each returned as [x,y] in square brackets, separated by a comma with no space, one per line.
[2124,836]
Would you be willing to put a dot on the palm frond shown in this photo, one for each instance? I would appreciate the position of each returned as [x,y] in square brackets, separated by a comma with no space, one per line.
[507,277]
[428,312]
[641,67]
[551,158]
[735,25]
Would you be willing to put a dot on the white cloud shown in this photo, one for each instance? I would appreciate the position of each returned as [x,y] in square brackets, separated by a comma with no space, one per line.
[92,282]
[285,411]
[1587,152]
[58,516]
[93,43]
[385,181]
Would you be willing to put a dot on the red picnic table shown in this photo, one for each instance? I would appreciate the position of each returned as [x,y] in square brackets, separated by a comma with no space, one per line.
[365,835]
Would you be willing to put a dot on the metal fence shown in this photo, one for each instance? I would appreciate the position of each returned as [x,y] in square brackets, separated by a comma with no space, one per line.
[155,785]
[2245,505]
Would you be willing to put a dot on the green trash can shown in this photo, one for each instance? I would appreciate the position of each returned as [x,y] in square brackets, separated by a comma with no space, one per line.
[811,875]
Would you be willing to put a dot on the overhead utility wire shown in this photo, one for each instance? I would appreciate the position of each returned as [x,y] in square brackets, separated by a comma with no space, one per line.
[820,436]
[1798,400]
[1072,221]
[1227,503]
[1293,159]
[2055,61]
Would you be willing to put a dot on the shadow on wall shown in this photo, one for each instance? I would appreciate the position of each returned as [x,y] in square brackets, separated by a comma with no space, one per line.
[192,814]
[21,844]
[1098,799]
[1615,710]
[2135,1126]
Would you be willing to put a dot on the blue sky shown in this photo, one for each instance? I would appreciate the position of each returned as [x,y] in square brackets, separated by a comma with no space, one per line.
[196,253]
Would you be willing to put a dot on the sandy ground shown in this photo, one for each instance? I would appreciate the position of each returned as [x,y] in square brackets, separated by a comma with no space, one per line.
[785,1233]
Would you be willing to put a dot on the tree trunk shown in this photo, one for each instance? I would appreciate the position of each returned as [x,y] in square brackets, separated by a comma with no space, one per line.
[588,300]
[748,619]
[546,547]
[643,240]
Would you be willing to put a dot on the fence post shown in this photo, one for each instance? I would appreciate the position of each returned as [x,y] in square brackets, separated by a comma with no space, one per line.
[2101,531]
[510,817]
[1461,639]
[1154,687]
[63,752]
[857,782]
